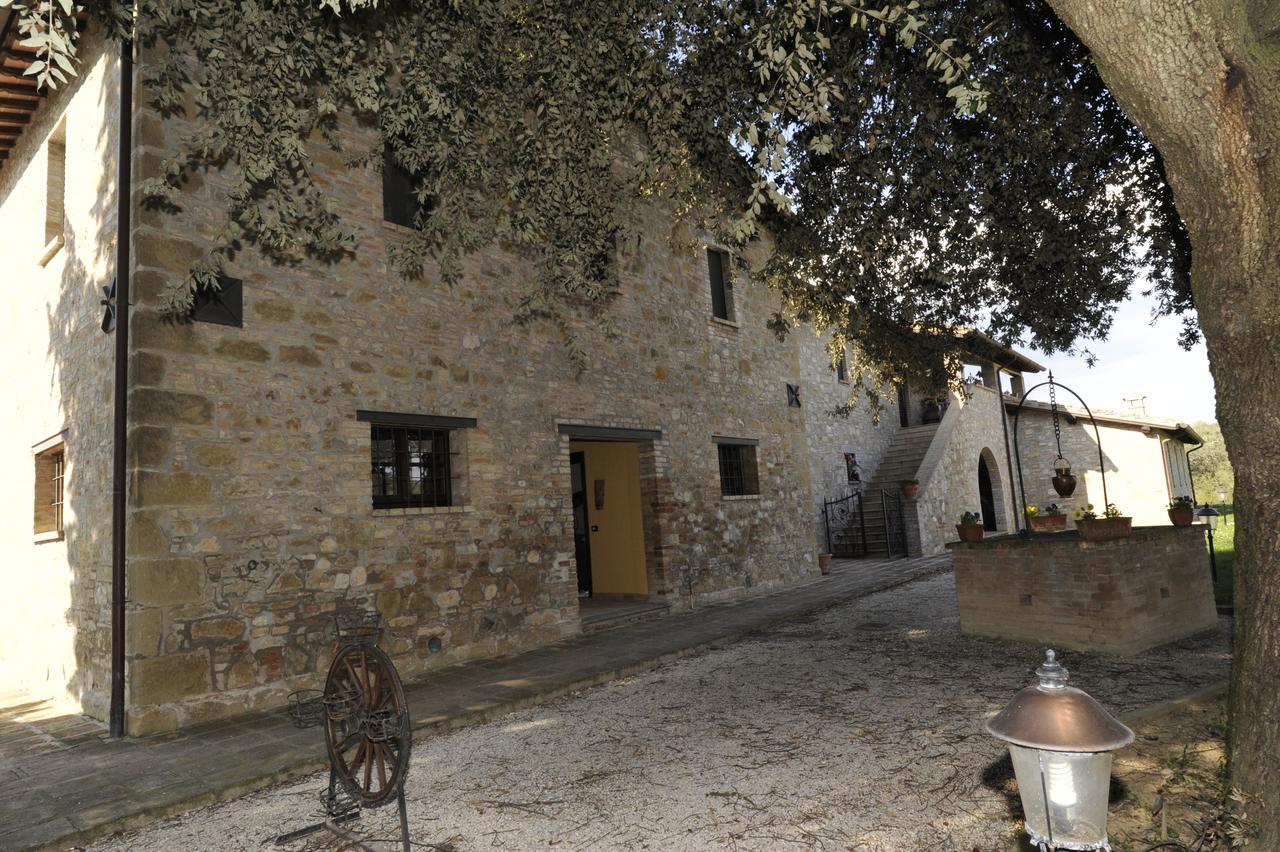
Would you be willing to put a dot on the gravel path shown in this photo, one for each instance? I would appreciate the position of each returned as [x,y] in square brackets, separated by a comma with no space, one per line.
[858,728]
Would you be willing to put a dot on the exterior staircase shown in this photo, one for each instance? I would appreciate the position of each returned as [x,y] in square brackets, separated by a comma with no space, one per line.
[901,462]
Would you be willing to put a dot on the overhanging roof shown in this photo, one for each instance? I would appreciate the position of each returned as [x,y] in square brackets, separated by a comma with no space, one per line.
[19,97]
[980,343]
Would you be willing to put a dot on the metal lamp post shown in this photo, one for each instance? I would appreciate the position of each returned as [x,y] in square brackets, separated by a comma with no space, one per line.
[1208,516]
[1061,742]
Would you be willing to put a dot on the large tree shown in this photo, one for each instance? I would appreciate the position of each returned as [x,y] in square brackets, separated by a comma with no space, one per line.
[1202,80]
[911,181]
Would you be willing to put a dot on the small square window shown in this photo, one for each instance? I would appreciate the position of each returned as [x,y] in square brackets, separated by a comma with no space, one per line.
[738,473]
[400,204]
[721,284]
[51,468]
[411,467]
[415,459]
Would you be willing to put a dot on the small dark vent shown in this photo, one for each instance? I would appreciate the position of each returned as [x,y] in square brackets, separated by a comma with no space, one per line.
[223,306]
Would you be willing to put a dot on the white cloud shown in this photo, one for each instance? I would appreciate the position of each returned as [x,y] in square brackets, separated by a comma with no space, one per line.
[1140,359]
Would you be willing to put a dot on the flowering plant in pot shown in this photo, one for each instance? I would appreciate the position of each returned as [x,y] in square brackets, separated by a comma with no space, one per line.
[970,527]
[1182,512]
[1052,518]
[910,488]
[1110,526]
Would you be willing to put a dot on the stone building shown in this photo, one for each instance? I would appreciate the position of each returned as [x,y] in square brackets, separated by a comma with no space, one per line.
[320,436]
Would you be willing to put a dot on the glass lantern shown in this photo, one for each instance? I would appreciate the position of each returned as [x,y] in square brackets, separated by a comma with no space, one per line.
[1061,742]
[1206,514]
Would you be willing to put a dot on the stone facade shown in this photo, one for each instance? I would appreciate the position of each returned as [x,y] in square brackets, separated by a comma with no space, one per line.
[830,436]
[1118,597]
[971,430]
[252,516]
[58,252]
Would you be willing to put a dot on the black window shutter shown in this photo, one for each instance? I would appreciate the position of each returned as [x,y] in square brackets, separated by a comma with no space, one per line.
[719,300]
[399,191]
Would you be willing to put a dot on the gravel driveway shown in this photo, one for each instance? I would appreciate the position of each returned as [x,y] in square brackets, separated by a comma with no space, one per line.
[857,728]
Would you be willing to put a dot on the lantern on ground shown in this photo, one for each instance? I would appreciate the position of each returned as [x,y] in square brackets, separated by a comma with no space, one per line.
[1061,742]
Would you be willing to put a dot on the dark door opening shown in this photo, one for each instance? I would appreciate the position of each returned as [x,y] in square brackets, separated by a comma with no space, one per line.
[986,496]
[904,409]
[581,524]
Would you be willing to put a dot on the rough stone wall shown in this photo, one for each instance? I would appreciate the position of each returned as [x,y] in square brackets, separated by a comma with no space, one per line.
[1120,597]
[54,617]
[1136,479]
[830,436]
[970,429]
[252,517]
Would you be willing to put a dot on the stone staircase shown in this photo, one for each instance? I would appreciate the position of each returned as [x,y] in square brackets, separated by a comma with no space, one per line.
[901,462]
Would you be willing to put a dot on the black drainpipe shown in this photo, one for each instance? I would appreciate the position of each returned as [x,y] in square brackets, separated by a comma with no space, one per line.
[1190,476]
[120,430]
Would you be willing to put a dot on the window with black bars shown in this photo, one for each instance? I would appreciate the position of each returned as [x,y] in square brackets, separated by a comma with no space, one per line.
[411,466]
[842,369]
[738,470]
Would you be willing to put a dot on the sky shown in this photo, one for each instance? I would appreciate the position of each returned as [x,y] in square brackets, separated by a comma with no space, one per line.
[1139,358]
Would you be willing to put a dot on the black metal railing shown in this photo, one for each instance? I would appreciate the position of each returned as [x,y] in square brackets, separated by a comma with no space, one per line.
[846,526]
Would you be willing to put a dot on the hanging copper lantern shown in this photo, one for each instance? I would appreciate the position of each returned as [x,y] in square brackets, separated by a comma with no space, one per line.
[1064,481]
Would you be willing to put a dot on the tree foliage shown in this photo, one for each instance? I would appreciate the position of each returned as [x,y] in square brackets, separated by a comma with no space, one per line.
[911,184]
[1211,467]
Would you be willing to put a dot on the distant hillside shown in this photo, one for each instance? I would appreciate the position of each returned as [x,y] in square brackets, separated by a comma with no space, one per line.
[1210,467]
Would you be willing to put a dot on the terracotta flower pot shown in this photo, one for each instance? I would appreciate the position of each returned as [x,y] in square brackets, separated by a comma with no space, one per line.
[1183,516]
[969,532]
[824,563]
[910,490]
[1048,523]
[1104,529]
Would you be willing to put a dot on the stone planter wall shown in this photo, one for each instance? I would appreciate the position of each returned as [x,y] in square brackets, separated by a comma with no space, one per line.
[1121,597]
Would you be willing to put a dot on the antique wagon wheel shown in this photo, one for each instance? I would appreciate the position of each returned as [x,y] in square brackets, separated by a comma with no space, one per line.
[367,725]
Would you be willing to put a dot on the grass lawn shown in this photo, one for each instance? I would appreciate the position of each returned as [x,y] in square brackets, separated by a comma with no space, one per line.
[1224,546]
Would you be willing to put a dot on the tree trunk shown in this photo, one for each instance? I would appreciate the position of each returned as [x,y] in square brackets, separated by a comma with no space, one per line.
[1202,80]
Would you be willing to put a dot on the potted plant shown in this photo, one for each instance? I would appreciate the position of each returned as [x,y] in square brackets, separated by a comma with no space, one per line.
[930,410]
[1111,525]
[910,488]
[1182,512]
[824,563]
[970,527]
[1051,519]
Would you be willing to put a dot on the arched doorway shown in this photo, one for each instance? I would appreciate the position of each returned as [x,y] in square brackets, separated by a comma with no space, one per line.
[989,492]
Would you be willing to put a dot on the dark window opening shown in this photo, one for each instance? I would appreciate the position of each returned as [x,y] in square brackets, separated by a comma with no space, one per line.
[400,204]
[738,475]
[51,467]
[842,369]
[721,286]
[411,466]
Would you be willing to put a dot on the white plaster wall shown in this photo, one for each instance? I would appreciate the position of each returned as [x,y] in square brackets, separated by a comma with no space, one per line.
[53,628]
